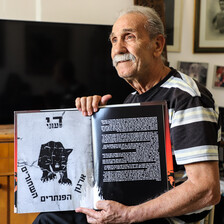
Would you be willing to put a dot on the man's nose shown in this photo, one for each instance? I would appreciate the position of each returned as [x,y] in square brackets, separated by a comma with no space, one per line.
[120,47]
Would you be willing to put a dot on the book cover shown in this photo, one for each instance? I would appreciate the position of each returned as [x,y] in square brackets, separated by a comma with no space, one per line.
[54,160]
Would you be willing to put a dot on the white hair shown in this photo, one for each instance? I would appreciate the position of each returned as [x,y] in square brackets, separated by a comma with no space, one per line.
[154,24]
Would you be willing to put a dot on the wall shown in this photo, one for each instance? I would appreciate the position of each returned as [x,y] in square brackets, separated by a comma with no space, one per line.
[74,11]
[104,12]
[186,53]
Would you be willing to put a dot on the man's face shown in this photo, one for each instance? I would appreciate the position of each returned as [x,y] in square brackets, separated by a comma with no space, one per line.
[129,36]
[221,3]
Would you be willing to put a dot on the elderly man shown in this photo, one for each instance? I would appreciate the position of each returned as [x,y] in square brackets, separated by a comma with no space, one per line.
[137,41]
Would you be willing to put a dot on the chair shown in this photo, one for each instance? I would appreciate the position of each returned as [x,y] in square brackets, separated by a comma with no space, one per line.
[209,219]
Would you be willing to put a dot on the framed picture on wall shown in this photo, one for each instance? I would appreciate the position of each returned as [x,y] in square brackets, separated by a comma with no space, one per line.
[173,18]
[209,26]
[218,77]
[196,70]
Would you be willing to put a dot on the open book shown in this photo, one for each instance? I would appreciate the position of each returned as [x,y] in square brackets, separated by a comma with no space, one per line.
[64,160]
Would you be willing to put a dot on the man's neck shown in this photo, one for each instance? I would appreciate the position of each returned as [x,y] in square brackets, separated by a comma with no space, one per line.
[145,83]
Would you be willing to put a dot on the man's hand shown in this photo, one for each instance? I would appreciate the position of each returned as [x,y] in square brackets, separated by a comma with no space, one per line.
[90,104]
[109,212]
[201,189]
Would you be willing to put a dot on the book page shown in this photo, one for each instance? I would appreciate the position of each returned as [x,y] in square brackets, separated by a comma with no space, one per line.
[54,161]
[129,145]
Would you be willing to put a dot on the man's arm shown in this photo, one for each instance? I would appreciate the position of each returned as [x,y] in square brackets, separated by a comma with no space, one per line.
[200,190]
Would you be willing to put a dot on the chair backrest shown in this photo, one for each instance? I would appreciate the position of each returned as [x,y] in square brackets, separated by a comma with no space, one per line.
[209,219]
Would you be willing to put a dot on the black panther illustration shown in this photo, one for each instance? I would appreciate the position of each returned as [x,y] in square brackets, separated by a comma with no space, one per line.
[53,158]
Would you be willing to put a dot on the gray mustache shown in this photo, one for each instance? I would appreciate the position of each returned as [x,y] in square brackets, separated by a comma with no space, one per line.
[123,57]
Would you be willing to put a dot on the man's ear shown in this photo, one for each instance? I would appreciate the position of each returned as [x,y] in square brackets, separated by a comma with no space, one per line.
[159,45]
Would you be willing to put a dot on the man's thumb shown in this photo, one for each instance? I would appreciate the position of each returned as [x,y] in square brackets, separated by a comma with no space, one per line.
[105,99]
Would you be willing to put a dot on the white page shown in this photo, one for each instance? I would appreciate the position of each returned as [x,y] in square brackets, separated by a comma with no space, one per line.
[39,128]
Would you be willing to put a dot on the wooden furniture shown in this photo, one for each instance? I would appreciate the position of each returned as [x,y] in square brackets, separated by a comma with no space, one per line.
[7,215]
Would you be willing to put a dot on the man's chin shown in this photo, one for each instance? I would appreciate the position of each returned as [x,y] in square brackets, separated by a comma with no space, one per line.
[124,72]
[125,75]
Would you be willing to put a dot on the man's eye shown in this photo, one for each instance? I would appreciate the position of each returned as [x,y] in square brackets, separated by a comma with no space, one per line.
[129,37]
[113,40]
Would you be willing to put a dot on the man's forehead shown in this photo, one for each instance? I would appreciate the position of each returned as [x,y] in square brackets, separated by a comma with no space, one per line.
[131,22]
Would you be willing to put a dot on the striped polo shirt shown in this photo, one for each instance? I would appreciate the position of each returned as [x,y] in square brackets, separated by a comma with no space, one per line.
[193,118]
